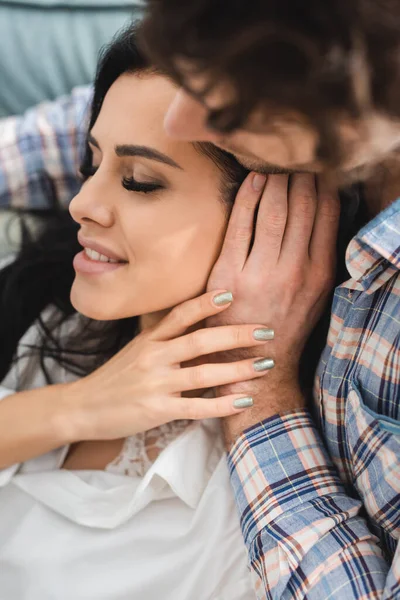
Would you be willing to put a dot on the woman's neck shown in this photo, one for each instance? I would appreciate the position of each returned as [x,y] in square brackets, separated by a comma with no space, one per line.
[151,319]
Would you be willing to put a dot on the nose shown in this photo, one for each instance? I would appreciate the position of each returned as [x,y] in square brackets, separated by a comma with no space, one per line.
[186,119]
[91,204]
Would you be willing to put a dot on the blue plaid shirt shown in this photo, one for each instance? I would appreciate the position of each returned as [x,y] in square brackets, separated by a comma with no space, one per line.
[318,496]
[43,148]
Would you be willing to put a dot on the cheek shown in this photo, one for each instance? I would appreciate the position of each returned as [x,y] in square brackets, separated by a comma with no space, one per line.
[183,253]
[289,148]
[201,246]
[267,148]
[171,252]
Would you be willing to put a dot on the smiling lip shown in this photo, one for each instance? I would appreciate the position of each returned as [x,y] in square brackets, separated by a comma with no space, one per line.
[86,243]
[83,264]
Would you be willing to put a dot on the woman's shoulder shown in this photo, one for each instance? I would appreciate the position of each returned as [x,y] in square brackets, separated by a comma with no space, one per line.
[30,364]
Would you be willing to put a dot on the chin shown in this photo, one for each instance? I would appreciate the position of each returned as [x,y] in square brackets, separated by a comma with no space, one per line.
[90,306]
[104,307]
[102,304]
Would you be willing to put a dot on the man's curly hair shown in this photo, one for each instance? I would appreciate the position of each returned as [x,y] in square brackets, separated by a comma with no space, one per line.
[322,59]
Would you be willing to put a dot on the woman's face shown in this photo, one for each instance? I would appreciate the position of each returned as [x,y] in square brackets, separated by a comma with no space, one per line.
[153,204]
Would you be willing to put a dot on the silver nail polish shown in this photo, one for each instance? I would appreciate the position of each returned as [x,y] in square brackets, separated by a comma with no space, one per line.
[222,299]
[264,364]
[243,402]
[262,335]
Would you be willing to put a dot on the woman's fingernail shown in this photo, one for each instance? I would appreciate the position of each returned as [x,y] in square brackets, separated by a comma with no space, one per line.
[243,402]
[262,335]
[264,364]
[222,299]
[258,182]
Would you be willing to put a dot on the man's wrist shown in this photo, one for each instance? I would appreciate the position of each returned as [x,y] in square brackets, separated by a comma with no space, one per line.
[270,398]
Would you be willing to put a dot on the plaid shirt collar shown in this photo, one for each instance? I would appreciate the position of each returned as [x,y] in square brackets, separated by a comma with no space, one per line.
[373,255]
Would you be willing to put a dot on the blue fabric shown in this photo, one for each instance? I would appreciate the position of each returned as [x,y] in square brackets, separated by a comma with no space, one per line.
[47,47]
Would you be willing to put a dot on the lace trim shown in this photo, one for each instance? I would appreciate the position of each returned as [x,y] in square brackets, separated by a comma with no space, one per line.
[140,451]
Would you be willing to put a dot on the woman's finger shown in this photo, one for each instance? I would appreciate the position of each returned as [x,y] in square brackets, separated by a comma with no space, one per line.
[323,241]
[216,339]
[239,233]
[271,222]
[302,208]
[214,374]
[191,312]
[208,408]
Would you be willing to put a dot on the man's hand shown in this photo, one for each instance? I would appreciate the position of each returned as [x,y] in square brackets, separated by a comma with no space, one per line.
[279,264]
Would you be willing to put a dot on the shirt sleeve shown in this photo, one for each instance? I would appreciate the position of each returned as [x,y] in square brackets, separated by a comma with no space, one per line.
[7,474]
[306,538]
[40,152]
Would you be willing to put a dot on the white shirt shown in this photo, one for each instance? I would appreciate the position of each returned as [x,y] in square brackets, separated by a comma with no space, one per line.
[172,534]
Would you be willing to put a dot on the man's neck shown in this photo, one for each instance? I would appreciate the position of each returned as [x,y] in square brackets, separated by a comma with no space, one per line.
[383,187]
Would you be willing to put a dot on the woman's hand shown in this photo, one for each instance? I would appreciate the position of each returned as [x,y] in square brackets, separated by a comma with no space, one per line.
[279,264]
[140,387]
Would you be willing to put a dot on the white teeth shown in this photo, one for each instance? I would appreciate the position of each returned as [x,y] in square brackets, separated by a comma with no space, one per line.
[93,255]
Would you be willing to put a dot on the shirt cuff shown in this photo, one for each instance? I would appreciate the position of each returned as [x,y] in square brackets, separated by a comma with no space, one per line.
[277,465]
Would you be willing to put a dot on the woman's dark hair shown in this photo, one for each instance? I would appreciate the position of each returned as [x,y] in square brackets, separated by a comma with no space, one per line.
[42,273]
[322,60]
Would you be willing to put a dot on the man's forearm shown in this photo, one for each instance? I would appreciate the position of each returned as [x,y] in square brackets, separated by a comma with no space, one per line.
[304,535]
[273,395]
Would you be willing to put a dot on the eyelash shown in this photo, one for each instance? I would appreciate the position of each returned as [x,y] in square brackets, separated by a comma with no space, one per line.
[129,183]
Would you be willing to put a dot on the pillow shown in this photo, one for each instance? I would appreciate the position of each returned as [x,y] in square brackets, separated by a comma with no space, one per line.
[47,47]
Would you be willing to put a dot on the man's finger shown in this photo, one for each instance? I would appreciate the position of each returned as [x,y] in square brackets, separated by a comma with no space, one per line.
[326,224]
[302,208]
[241,223]
[271,222]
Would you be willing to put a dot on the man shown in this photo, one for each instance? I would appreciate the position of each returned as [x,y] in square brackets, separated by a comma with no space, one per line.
[296,86]
[311,87]
[308,532]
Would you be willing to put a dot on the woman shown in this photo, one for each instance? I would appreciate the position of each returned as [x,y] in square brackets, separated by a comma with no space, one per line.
[108,491]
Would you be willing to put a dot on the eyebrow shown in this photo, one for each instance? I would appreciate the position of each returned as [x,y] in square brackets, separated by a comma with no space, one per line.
[142,151]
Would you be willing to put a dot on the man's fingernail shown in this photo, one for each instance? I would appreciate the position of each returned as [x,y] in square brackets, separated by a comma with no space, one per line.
[264,364]
[258,182]
[262,335]
[243,402]
[222,299]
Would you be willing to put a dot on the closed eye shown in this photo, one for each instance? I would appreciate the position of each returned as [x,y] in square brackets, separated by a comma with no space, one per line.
[128,183]
[132,185]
